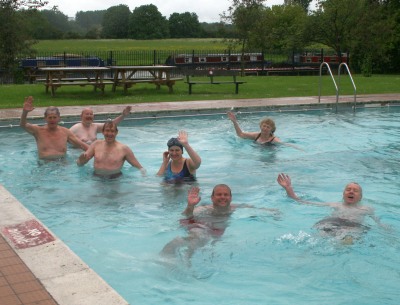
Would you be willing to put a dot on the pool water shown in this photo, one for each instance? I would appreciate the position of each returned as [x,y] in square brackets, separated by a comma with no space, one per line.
[119,227]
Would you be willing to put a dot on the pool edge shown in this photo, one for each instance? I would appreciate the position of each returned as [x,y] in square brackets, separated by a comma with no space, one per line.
[63,274]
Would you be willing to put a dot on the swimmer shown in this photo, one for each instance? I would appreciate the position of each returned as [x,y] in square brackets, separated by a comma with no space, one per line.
[109,154]
[346,222]
[87,130]
[266,135]
[51,139]
[175,168]
[205,222]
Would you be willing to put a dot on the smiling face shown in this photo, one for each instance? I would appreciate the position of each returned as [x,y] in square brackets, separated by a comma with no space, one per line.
[352,193]
[87,116]
[221,196]
[175,152]
[110,132]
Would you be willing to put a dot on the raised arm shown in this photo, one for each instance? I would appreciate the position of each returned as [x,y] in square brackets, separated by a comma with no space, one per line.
[285,181]
[28,107]
[125,113]
[192,199]
[240,133]
[164,164]
[195,160]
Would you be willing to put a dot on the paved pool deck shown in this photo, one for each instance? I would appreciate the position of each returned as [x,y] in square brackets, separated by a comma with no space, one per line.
[155,109]
[37,268]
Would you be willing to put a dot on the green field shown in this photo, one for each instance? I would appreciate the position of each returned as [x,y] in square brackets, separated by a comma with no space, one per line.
[86,45]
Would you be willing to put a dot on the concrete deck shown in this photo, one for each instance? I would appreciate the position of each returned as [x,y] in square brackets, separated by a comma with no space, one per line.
[153,109]
[38,268]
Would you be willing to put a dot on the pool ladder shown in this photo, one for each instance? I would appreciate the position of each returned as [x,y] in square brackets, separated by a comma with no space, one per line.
[337,87]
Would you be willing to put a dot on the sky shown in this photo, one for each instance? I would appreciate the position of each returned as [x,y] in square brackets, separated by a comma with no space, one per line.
[206,10]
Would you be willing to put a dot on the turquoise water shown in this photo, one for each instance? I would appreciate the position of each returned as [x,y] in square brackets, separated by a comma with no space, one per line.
[119,227]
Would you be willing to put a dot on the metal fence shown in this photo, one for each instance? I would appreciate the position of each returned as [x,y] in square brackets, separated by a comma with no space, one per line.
[260,62]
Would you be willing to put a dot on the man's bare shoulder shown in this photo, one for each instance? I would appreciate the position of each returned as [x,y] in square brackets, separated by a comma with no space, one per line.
[76,126]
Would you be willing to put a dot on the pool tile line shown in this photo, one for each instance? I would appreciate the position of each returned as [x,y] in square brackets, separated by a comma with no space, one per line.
[43,271]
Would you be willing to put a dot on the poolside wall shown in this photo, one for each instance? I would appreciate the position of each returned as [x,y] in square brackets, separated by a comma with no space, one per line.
[64,275]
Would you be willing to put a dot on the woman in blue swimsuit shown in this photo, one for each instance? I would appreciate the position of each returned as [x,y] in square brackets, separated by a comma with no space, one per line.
[175,168]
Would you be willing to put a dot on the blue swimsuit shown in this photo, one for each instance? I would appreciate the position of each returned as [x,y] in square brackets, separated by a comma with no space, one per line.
[183,176]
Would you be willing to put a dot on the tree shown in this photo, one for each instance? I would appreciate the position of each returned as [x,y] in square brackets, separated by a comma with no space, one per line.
[185,25]
[15,37]
[280,27]
[361,27]
[305,4]
[57,20]
[89,20]
[115,22]
[146,22]
[244,15]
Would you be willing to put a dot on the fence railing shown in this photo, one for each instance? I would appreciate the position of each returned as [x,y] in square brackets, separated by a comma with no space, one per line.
[260,61]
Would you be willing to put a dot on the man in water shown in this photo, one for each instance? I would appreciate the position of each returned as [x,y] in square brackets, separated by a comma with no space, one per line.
[51,139]
[345,223]
[87,130]
[207,221]
[109,154]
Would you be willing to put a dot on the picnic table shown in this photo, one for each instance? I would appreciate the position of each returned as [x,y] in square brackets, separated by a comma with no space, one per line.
[74,76]
[127,76]
[215,77]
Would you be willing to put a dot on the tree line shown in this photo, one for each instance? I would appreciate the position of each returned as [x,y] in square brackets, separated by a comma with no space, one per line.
[366,29]
[119,22]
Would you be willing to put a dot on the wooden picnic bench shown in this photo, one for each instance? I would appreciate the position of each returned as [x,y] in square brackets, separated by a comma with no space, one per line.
[127,76]
[60,76]
[192,78]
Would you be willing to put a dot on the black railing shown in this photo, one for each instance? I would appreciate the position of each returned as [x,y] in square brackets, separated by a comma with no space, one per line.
[264,63]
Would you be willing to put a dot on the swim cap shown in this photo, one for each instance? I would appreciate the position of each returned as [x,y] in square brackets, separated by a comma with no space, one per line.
[174,142]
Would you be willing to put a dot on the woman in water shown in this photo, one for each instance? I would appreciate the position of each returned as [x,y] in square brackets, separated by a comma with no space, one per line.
[266,134]
[175,168]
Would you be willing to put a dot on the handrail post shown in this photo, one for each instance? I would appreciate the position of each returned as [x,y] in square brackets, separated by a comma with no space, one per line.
[334,82]
[352,81]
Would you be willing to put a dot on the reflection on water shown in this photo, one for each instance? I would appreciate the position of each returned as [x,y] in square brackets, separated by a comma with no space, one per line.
[120,226]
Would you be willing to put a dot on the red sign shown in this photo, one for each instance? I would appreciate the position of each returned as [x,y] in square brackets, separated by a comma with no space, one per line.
[28,234]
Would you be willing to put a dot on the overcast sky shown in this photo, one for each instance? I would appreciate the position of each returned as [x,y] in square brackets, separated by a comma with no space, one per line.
[206,10]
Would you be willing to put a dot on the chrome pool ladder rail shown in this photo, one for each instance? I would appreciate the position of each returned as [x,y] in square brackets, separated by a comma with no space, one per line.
[337,88]
[343,64]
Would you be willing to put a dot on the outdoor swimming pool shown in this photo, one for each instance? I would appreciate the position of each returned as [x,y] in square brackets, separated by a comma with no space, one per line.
[119,227]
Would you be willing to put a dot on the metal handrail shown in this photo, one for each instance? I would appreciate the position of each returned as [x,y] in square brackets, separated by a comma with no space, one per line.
[352,81]
[333,79]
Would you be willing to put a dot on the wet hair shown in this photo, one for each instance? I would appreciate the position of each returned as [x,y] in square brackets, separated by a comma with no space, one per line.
[174,142]
[51,109]
[269,122]
[110,124]
[221,185]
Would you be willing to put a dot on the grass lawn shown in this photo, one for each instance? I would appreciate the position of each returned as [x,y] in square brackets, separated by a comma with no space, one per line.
[12,96]
[85,45]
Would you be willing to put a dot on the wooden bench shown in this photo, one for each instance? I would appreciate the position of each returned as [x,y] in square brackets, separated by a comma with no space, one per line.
[74,82]
[158,82]
[193,75]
